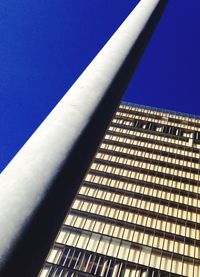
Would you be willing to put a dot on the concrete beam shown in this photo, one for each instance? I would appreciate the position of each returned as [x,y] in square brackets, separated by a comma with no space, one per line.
[38,185]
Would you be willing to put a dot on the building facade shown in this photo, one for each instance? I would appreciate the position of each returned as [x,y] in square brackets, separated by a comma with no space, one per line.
[137,213]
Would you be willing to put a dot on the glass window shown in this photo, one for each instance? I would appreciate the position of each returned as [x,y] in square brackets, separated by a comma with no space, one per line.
[113,247]
[54,255]
[124,250]
[103,245]
[93,242]
[83,240]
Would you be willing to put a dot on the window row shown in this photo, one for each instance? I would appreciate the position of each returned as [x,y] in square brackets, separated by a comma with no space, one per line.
[152,136]
[130,234]
[140,122]
[96,265]
[151,145]
[145,177]
[125,251]
[142,189]
[137,218]
[159,112]
[149,205]
[162,120]
[147,165]
[149,155]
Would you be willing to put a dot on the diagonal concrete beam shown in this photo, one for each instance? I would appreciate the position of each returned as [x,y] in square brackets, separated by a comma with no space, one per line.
[39,184]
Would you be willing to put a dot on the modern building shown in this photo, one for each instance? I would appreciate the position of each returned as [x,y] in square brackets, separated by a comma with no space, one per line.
[137,212]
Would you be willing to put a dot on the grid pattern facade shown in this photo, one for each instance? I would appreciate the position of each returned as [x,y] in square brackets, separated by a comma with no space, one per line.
[137,213]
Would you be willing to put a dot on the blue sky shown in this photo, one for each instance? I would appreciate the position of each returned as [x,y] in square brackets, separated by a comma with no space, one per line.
[45,45]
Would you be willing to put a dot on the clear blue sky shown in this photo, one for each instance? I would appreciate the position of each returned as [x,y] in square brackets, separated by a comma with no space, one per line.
[45,45]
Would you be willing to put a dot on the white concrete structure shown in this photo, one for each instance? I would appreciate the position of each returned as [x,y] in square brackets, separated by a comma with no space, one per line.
[34,172]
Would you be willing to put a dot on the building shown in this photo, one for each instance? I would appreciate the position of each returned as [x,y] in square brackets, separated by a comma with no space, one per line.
[137,212]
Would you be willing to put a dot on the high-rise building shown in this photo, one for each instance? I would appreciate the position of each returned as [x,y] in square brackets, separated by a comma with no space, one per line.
[137,211]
